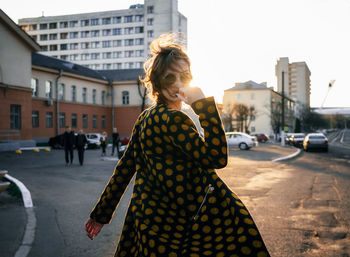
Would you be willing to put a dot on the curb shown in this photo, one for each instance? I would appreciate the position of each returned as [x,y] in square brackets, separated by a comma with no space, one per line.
[29,233]
[289,156]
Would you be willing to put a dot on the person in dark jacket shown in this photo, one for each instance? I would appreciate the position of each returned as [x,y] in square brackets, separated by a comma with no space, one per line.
[104,142]
[115,142]
[80,142]
[180,207]
[68,142]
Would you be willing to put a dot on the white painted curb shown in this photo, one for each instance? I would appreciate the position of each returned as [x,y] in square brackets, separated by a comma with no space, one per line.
[29,233]
[287,157]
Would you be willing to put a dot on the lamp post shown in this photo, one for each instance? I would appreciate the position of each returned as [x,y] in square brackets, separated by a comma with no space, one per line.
[282,123]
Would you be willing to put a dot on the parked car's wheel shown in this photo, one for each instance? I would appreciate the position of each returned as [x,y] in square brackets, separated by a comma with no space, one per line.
[243,146]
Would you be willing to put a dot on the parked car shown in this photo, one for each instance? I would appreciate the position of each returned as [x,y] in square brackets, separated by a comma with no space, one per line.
[315,141]
[288,138]
[56,142]
[261,137]
[241,140]
[93,140]
[297,139]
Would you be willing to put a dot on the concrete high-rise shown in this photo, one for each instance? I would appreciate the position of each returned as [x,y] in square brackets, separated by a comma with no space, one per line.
[106,40]
[296,81]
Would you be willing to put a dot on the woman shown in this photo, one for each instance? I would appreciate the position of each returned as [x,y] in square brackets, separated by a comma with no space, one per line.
[180,207]
[104,142]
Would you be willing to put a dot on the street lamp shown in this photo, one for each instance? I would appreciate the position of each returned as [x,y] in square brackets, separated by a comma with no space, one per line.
[330,85]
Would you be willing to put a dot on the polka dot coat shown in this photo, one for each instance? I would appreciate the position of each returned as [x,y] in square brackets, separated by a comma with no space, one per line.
[179,206]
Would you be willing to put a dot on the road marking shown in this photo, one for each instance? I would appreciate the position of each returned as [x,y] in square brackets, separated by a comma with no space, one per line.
[287,157]
[29,233]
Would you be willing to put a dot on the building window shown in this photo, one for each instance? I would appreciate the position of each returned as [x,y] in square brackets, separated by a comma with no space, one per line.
[48,89]
[107,66]
[35,87]
[103,121]
[34,37]
[106,44]
[61,91]
[43,26]
[84,23]
[53,36]
[139,53]
[63,46]
[117,66]
[95,33]
[15,116]
[94,121]
[74,93]
[128,31]
[73,46]
[74,120]
[117,31]
[73,24]
[150,21]
[106,21]
[117,43]
[129,54]
[35,119]
[94,96]
[85,120]
[125,97]
[107,55]
[85,45]
[63,24]
[138,30]
[95,56]
[64,57]
[73,57]
[84,94]
[53,48]
[84,34]
[53,25]
[62,119]
[49,123]
[150,9]
[138,65]
[129,65]
[85,57]
[103,97]
[43,37]
[95,22]
[139,41]
[138,17]
[106,32]
[128,42]
[117,20]
[117,54]
[150,33]
[128,19]
[95,44]
[73,35]
[43,48]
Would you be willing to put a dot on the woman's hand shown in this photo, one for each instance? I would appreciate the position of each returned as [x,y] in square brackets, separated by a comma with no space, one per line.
[190,94]
[92,228]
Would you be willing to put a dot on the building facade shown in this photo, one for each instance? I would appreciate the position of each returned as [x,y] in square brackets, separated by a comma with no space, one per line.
[267,103]
[297,85]
[107,40]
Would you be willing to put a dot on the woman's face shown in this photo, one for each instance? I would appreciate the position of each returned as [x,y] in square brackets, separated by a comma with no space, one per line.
[176,77]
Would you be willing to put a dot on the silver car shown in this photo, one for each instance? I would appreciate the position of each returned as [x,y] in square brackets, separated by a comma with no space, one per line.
[241,140]
[315,141]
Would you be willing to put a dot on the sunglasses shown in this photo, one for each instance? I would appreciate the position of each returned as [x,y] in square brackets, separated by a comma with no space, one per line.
[170,78]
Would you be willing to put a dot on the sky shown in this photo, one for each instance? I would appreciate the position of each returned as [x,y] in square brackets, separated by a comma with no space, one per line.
[232,41]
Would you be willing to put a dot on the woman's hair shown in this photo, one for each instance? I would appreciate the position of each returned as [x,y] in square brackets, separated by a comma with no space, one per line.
[165,53]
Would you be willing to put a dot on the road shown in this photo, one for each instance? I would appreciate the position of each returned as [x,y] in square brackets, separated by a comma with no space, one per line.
[301,206]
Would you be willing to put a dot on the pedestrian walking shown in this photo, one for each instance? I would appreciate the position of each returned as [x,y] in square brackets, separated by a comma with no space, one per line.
[80,142]
[115,142]
[104,142]
[179,206]
[68,142]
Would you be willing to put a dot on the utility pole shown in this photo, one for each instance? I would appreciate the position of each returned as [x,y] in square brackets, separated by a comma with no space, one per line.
[282,123]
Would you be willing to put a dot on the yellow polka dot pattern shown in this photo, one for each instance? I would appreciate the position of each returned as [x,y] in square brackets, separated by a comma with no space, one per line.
[174,166]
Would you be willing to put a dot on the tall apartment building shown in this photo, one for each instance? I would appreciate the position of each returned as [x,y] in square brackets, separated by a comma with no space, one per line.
[107,40]
[296,81]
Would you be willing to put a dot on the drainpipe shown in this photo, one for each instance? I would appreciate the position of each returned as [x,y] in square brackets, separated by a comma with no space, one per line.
[57,104]
[110,82]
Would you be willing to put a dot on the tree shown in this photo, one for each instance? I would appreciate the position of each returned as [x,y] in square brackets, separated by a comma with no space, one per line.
[311,121]
[243,115]
[142,94]
[227,118]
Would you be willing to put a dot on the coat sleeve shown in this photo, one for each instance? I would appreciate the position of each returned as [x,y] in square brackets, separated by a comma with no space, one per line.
[123,172]
[210,151]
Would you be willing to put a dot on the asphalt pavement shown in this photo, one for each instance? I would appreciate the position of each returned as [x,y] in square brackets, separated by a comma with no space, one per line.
[63,197]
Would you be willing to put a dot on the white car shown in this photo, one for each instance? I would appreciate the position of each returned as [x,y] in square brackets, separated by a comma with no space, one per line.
[93,140]
[241,140]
